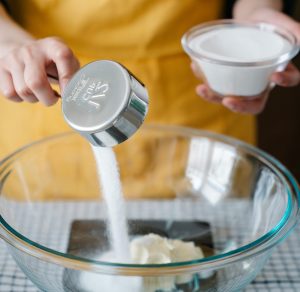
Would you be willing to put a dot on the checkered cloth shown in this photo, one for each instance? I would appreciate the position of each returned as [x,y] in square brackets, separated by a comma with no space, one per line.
[282,273]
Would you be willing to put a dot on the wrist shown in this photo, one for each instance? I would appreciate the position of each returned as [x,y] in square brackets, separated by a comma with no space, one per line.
[262,14]
[255,10]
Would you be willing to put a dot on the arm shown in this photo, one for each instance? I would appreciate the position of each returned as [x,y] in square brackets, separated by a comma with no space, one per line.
[266,11]
[243,8]
[258,11]
[11,35]
[25,63]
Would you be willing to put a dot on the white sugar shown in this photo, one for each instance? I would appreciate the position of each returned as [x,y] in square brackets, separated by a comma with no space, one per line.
[240,44]
[92,282]
[109,179]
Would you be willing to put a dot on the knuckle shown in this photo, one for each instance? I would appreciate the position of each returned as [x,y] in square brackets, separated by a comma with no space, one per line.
[283,81]
[16,99]
[9,93]
[53,40]
[28,52]
[55,44]
[34,83]
[4,65]
[259,109]
[50,101]
[23,91]
[12,58]
[63,52]
[48,41]
[31,100]
[12,61]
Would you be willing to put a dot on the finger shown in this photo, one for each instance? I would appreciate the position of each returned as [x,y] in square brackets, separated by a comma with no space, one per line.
[17,73]
[52,73]
[16,99]
[287,78]
[7,87]
[240,105]
[36,80]
[65,61]
[204,92]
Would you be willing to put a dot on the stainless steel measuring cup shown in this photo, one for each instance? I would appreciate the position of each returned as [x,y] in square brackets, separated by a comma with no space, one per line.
[105,103]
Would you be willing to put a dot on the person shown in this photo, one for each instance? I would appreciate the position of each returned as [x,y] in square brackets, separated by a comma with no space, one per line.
[39,38]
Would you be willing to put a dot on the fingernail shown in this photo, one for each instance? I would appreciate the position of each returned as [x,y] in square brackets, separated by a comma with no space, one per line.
[201,91]
[232,106]
[279,79]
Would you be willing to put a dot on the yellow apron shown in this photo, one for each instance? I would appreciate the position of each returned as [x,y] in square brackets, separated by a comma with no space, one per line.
[145,36]
[142,34]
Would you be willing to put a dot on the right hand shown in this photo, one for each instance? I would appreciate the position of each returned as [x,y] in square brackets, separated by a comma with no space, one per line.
[248,105]
[24,70]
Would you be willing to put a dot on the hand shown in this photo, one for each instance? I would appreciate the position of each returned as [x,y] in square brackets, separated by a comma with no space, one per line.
[24,70]
[252,105]
[287,78]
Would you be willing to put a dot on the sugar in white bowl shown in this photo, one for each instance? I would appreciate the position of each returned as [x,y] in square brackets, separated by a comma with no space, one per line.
[238,59]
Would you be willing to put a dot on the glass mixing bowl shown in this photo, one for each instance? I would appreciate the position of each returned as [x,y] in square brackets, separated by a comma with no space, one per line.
[233,200]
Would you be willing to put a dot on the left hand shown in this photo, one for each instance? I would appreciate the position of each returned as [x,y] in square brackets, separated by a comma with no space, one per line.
[287,78]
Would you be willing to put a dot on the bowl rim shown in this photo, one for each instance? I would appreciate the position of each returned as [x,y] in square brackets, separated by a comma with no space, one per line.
[260,245]
[207,26]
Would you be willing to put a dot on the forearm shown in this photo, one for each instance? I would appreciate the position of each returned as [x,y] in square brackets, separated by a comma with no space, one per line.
[244,8]
[11,34]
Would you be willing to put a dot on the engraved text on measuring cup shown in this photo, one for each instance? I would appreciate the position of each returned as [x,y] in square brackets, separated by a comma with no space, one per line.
[89,91]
